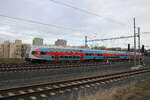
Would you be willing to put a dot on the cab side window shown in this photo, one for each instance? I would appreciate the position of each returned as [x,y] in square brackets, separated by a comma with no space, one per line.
[42,53]
[33,52]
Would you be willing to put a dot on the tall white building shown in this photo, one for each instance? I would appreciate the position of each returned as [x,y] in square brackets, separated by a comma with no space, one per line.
[13,50]
[61,42]
[37,42]
[1,51]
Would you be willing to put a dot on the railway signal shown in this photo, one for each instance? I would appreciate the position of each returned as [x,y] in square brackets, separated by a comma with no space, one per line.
[143,49]
[128,47]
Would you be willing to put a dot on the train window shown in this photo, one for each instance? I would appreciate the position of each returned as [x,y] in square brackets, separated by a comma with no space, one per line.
[61,56]
[87,54]
[66,56]
[99,54]
[42,53]
[52,56]
[70,56]
[34,52]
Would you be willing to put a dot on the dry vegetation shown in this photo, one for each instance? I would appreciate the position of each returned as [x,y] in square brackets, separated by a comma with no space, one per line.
[11,60]
[136,91]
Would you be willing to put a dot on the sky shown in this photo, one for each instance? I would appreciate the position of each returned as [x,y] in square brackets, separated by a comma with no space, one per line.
[115,18]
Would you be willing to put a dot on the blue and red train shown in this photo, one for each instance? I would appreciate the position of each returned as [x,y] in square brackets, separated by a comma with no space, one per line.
[57,54]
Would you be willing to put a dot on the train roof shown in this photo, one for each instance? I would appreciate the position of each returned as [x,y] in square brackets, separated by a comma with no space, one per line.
[60,47]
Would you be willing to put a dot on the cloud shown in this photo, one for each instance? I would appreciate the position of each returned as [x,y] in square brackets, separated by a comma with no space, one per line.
[116,20]
[6,33]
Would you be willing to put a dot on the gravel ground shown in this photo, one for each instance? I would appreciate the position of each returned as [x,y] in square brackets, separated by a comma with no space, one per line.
[13,79]
[136,91]
[94,92]
[11,60]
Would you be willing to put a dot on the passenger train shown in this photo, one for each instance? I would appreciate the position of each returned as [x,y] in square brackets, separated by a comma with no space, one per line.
[59,54]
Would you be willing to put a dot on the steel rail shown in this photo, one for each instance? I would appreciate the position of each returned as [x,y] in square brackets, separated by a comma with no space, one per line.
[56,87]
[45,67]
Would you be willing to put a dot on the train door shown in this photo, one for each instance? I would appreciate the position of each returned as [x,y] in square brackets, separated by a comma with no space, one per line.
[56,59]
[81,58]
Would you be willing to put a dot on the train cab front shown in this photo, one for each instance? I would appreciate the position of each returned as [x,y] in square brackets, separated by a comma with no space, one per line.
[36,56]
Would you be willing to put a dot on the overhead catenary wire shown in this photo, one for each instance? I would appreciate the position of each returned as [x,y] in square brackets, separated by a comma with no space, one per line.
[36,22]
[40,23]
[146,33]
[47,32]
[86,11]
[51,25]
[116,38]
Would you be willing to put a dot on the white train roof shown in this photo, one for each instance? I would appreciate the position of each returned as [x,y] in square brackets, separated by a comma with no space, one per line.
[60,47]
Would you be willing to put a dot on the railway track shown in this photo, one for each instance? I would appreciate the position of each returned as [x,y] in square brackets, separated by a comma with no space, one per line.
[33,92]
[37,65]
[32,67]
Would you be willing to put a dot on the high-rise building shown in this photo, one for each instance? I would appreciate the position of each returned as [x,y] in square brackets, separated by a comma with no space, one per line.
[13,50]
[5,47]
[37,41]
[23,49]
[1,51]
[18,47]
[18,42]
[61,42]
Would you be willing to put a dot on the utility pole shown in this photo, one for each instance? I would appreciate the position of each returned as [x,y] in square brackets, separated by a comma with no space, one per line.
[86,41]
[129,51]
[129,47]
[134,42]
[143,50]
[139,43]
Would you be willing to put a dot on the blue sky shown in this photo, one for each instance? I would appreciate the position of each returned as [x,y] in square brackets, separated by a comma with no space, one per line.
[116,20]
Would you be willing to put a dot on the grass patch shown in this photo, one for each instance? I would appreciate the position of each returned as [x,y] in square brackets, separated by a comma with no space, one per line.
[136,91]
[11,60]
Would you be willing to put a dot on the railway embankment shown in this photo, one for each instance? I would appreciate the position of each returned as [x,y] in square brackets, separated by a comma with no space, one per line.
[75,89]
[10,79]
[13,79]
[11,61]
[139,90]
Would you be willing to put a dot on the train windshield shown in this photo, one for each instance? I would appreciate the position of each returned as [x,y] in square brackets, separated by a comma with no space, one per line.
[34,52]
